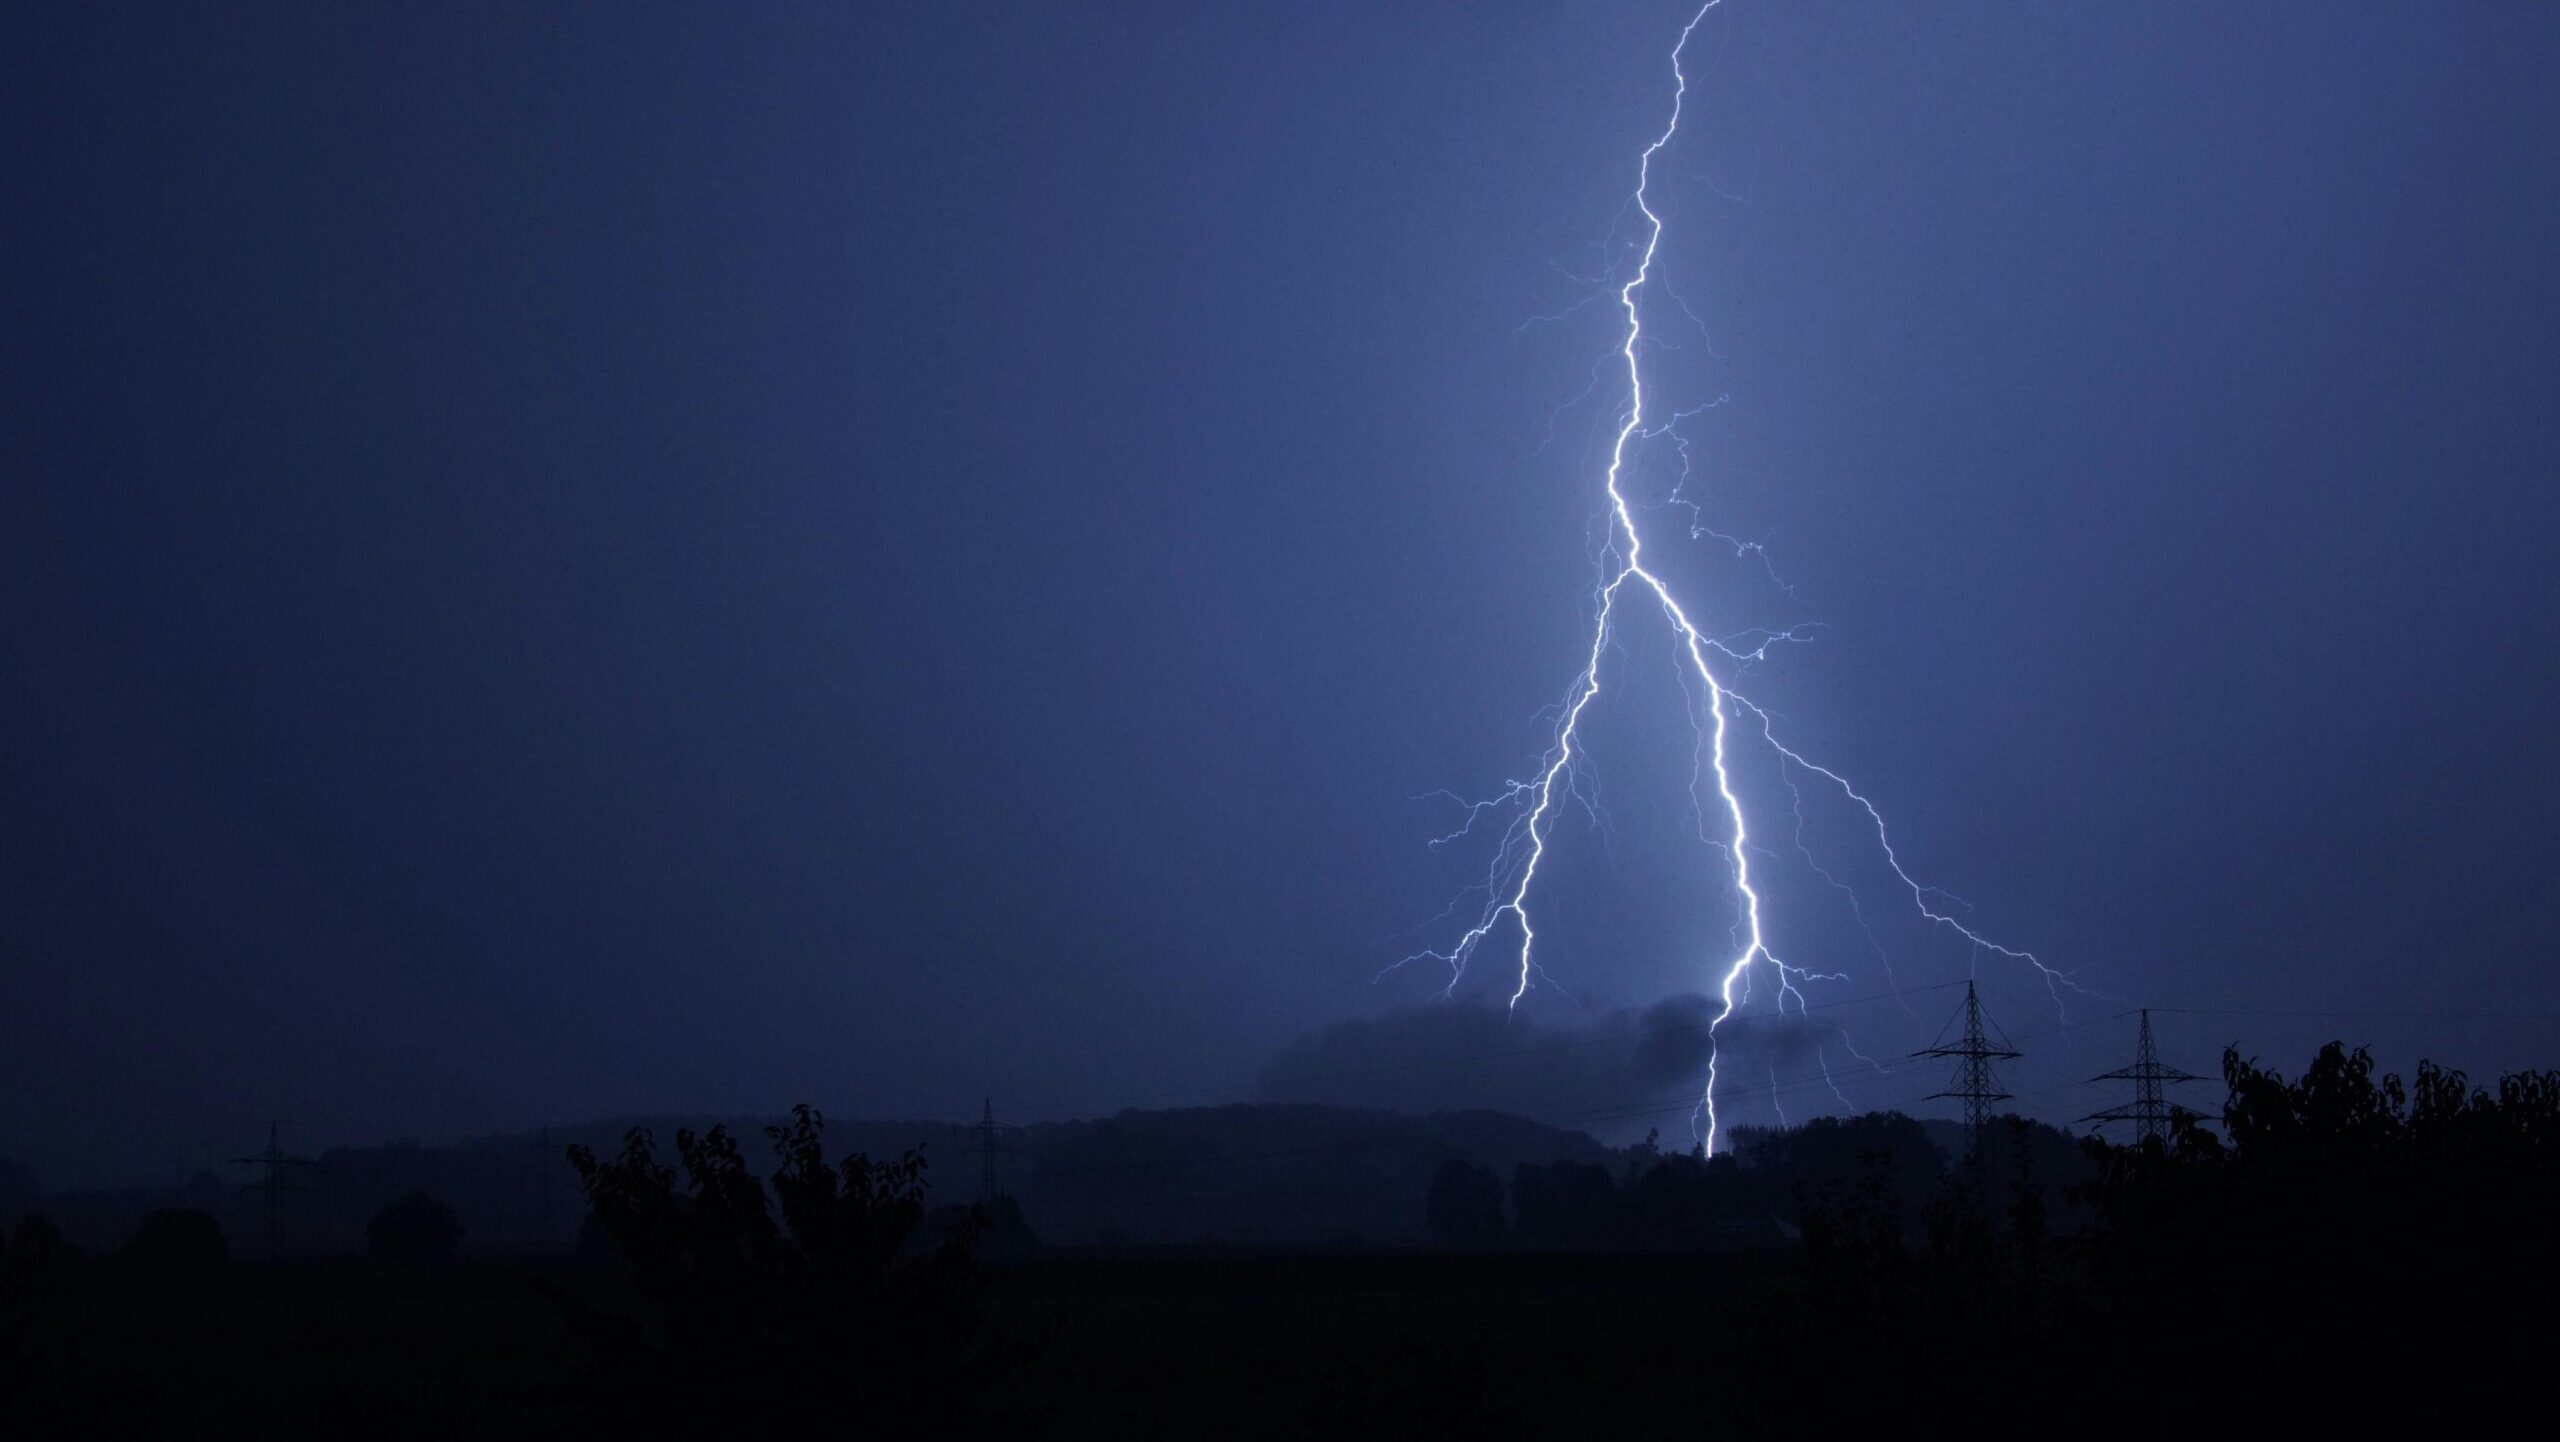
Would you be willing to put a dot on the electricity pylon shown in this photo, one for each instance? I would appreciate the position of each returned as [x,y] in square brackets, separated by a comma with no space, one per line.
[988,1151]
[2151,1111]
[1975,1081]
[276,1180]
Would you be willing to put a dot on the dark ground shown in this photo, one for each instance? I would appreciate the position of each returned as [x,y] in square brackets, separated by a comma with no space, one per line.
[1178,1343]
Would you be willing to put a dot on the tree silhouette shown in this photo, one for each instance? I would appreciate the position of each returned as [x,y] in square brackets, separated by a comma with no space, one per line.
[414,1230]
[19,1189]
[1464,1208]
[32,1260]
[2359,1250]
[818,1297]
[177,1244]
[1564,1204]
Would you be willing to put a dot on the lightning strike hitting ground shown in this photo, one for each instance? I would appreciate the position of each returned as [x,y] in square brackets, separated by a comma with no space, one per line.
[1513,875]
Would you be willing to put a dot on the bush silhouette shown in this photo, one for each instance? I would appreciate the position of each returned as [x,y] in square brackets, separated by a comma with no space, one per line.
[414,1230]
[992,1230]
[19,1189]
[1564,1204]
[177,1244]
[1465,1206]
[818,1297]
[33,1259]
[2353,1243]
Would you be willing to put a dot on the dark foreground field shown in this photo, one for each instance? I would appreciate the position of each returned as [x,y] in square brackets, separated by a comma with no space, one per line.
[1281,1346]
[1127,1344]
[2360,1255]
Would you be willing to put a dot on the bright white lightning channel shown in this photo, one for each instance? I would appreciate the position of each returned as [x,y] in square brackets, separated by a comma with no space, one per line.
[1533,802]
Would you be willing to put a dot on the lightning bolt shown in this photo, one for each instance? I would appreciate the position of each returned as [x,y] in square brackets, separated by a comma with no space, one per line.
[1521,853]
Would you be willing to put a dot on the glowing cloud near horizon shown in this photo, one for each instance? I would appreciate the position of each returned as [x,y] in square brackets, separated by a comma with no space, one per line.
[1625,576]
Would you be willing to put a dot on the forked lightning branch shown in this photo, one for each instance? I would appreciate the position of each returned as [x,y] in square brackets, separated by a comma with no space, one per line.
[1725,720]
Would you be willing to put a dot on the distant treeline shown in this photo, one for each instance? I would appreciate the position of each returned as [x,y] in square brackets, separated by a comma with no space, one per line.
[1646,1197]
[1245,1174]
[2346,1252]
[2351,1251]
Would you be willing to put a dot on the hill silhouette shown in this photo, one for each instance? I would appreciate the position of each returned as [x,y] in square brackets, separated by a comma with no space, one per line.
[1246,1174]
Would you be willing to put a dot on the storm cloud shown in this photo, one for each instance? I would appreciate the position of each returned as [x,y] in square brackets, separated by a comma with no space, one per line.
[1614,1073]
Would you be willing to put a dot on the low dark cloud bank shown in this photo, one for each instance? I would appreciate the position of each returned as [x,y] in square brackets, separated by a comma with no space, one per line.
[1608,1072]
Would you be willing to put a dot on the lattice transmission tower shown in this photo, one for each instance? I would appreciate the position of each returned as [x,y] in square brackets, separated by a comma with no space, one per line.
[2152,1111]
[988,1131]
[278,1176]
[1976,1082]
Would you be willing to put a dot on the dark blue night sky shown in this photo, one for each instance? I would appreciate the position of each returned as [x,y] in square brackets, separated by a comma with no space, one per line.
[646,557]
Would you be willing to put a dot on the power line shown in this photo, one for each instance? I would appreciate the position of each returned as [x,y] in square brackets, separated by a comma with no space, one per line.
[2151,1111]
[1976,1082]
[988,1151]
[1997,1046]
[1457,1123]
[276,1179]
